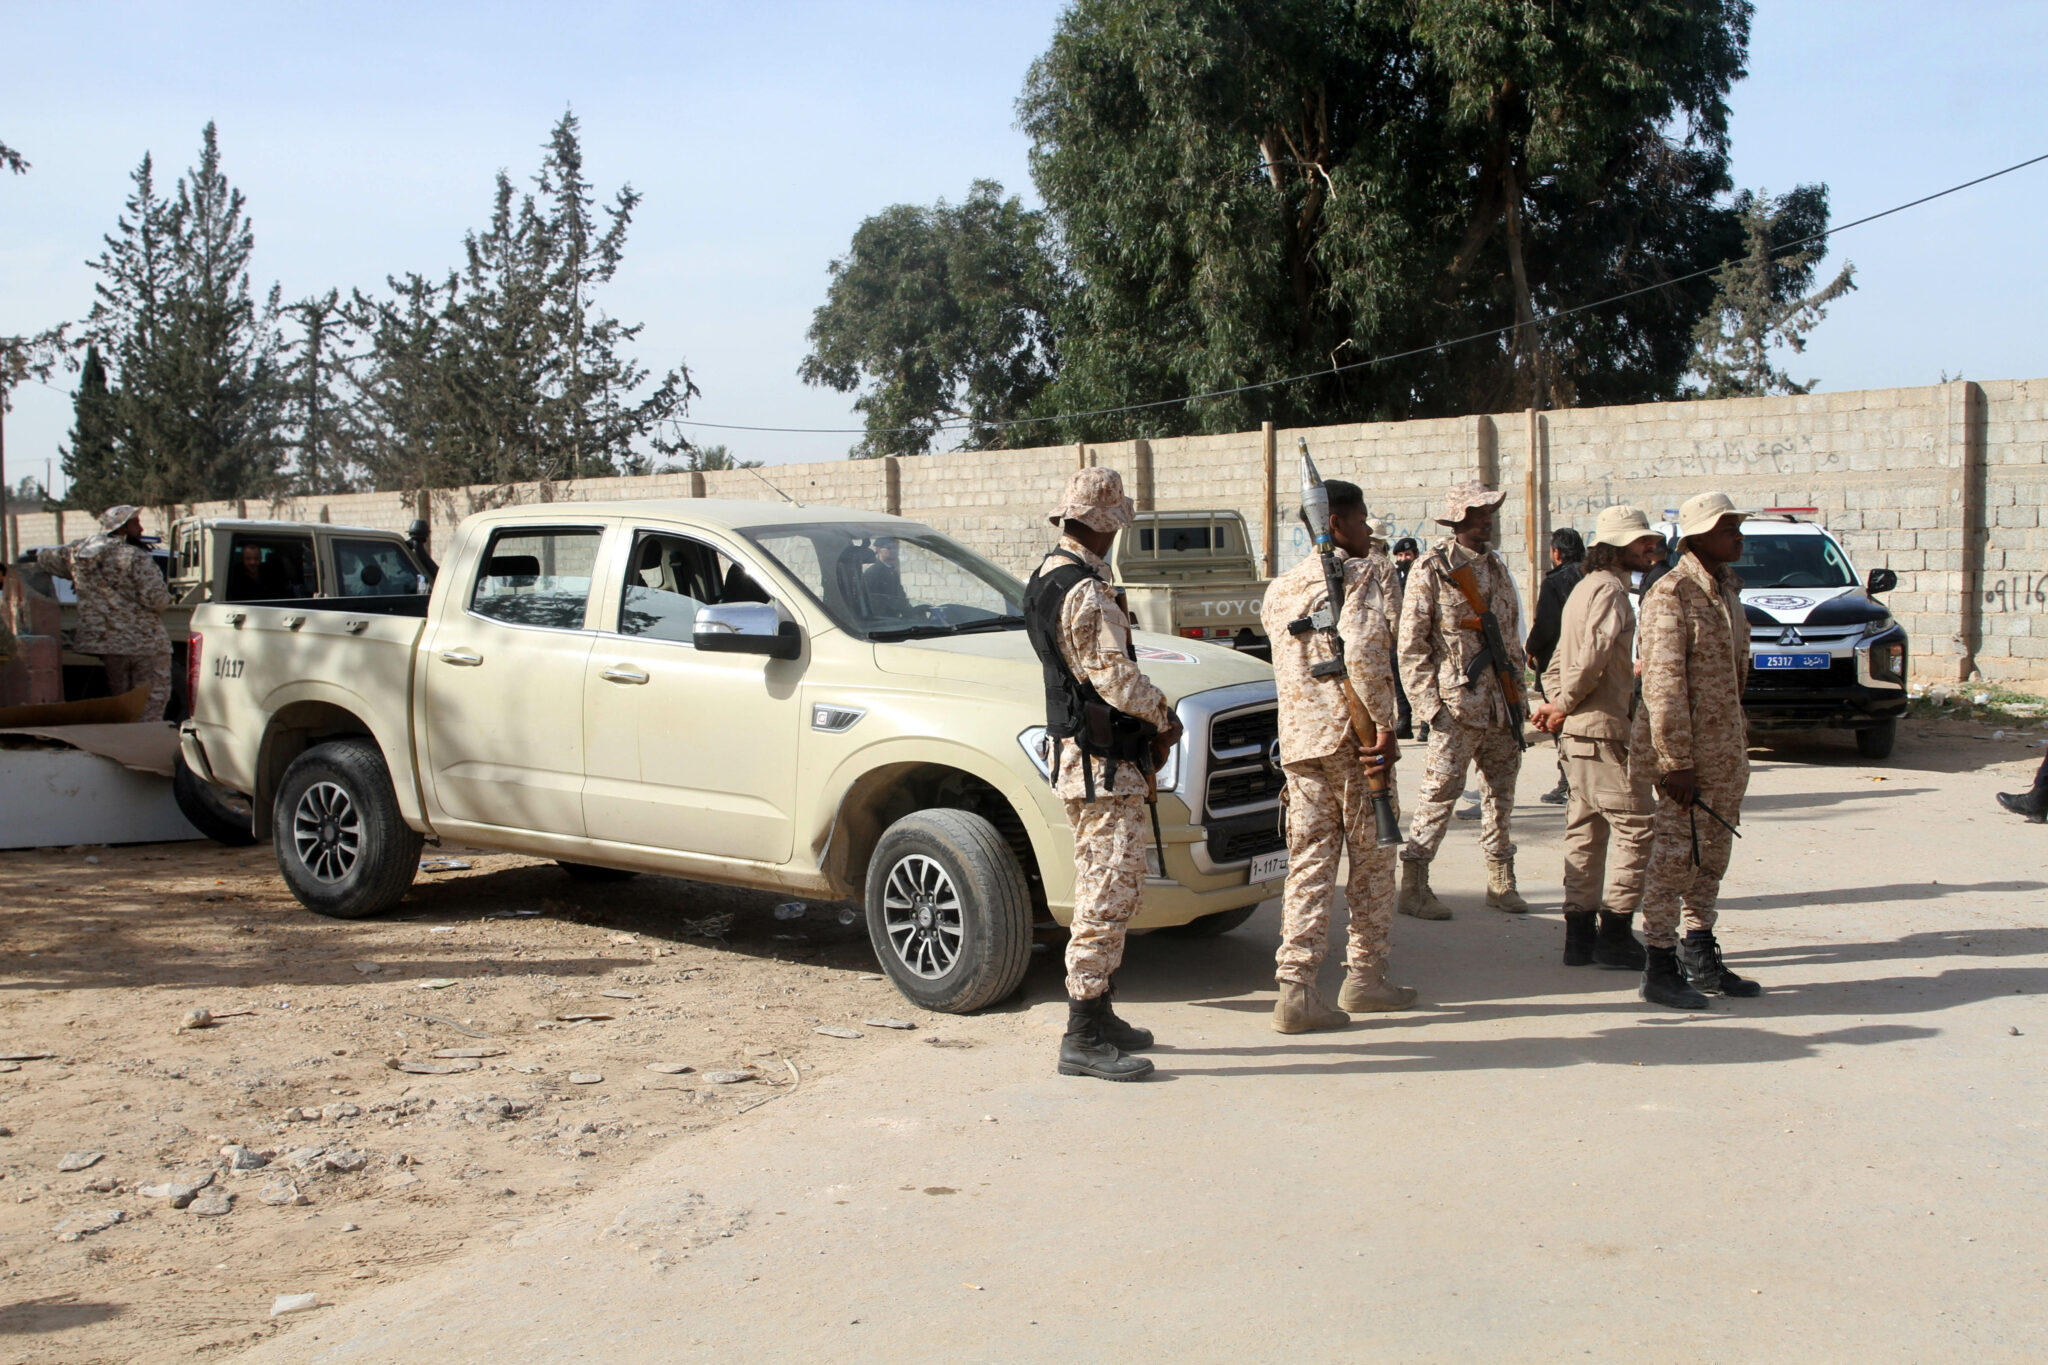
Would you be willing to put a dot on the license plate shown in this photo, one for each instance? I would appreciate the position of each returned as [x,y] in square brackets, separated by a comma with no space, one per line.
[1269,867]
[1793,661]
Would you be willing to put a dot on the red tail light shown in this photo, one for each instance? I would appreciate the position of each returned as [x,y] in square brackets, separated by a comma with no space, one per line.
[1192,632]
[192,674]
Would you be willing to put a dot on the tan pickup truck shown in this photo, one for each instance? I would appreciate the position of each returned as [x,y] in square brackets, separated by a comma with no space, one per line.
[733,692]
[1192,574]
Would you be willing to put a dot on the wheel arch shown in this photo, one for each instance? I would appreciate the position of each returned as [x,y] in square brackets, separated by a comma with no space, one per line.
[881,795]
[294,728]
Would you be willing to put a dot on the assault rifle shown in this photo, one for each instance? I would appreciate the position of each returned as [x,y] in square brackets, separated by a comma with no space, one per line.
[1315,514]
[1493,655]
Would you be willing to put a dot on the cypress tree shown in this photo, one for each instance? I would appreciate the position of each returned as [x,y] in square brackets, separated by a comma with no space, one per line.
[93,459]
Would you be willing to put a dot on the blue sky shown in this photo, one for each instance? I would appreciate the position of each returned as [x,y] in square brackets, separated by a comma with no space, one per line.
[366,136]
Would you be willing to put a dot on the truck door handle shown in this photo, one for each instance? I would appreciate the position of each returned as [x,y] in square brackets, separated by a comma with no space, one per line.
[619,673]
[462,657]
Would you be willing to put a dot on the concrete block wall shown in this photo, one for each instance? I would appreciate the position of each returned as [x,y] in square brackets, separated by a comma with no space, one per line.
[1943,484]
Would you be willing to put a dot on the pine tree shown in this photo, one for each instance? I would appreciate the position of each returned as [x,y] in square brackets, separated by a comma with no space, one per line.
[93,460]
[1761,300]
[128,324]
[321,424]
[404,386]
[193,352]
[591,415]
[221,436]
[510,371]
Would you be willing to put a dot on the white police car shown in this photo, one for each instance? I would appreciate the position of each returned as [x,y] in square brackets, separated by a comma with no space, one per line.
[1824,652]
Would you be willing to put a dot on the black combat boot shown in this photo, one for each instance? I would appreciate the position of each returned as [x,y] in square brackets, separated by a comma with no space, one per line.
[1578,938]
[1085,1052]
[1118,1034]
[1664,983]
[1559,794]
[1700,956]
[1617,945]
[2032,804]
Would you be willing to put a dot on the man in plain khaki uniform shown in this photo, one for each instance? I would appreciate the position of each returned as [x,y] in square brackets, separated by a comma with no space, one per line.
[1605,742]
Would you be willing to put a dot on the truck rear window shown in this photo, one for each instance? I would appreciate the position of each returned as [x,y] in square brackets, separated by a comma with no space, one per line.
[1181,539]
[537,577]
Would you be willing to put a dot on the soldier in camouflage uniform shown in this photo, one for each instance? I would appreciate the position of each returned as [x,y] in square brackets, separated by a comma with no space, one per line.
[121,598]
[1694,644]
[1105,798]
[1468,724]
[1329,811]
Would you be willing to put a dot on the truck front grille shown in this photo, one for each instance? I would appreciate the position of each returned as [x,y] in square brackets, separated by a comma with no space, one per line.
[1245,836]
[1242,773]
[1253,729]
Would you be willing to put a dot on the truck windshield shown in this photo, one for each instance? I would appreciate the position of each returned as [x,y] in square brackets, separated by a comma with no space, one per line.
[1777,559]
[894,582]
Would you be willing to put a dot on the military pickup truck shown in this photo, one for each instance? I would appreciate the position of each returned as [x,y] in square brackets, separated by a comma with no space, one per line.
[733,692]
[1192,574]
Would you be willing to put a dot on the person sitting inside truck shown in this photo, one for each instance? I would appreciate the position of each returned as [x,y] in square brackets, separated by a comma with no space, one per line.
[882,581]
[252,578]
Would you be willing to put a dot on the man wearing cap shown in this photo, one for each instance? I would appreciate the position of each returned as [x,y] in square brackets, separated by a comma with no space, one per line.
[1604,744]
[1329,810]
[1467,714]
[1694,642]
[121,598]
[1082,635]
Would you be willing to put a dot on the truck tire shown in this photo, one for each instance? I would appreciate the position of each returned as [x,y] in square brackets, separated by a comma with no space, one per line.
[1876,741]
[221,815]
[1212,926]
[344,849]
[591,872]
[949,911]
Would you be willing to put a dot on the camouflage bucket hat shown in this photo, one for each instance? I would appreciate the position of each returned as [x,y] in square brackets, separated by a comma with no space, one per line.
[1468,495]
[114,518]
[1095,498]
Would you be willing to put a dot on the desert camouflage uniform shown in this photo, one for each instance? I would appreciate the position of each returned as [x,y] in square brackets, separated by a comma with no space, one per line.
[1606,746]
[1110,832]
[121,598]
[1694,640]
[1329,810]
[1466,725]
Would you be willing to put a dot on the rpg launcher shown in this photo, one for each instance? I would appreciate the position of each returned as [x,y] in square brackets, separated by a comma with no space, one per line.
[1315,514]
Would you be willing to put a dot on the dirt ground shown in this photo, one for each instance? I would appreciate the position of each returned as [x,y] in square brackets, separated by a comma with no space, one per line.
[107,949]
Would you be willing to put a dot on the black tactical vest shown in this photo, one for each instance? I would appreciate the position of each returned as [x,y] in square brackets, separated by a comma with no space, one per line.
[1074,710]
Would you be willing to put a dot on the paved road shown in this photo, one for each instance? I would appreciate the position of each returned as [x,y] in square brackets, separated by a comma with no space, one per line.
[1535,1165]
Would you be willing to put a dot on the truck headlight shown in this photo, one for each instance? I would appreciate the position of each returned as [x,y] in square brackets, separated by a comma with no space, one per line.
[1037,747]
[1877,627]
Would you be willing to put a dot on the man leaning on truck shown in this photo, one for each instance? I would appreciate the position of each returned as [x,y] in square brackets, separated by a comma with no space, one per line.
[121,599]
[1107,724]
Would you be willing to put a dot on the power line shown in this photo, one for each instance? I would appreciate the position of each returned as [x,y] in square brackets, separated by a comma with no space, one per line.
[1546,320]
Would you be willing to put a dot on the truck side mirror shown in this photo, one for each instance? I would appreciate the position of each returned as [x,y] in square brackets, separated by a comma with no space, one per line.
[746,628]
[1881,580]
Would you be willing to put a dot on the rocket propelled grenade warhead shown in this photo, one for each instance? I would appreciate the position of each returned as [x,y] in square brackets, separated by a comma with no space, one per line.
[1315,499]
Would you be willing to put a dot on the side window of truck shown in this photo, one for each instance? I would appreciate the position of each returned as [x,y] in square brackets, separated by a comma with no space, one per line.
[373,568]
[669,577]
[264,568]
[537,576]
